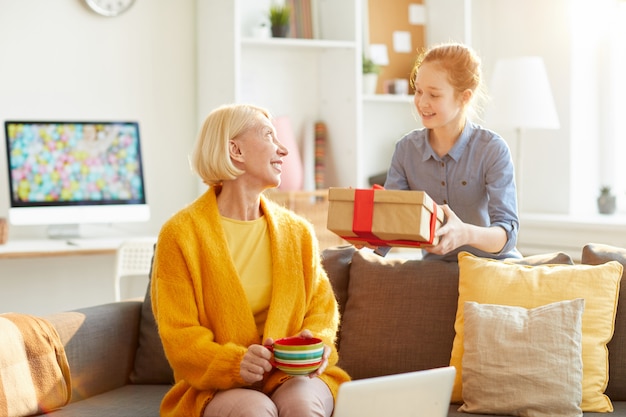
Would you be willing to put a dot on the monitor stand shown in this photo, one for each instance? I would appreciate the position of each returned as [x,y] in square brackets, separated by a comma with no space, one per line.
[63,231]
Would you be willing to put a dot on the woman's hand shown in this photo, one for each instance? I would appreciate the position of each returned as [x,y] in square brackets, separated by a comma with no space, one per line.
[319,371]
[256,362]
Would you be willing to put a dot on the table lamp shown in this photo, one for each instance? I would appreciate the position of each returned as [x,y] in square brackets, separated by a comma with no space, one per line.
[521,99]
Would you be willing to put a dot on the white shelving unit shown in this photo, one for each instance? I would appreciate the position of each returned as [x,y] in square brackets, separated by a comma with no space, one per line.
[386,118]
[306,79]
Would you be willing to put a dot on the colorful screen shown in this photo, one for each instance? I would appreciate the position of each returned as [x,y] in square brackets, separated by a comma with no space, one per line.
[74,163]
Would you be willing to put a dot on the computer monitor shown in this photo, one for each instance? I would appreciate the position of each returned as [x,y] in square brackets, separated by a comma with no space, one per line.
[63,174]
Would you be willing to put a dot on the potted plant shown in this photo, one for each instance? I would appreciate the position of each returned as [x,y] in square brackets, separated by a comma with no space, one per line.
[606,200]
[279,19]
[370,75]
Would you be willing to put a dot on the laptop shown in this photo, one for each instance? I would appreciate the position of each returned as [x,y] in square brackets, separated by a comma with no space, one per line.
[413,394]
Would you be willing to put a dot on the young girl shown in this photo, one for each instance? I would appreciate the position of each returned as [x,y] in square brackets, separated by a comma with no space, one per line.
[464,167]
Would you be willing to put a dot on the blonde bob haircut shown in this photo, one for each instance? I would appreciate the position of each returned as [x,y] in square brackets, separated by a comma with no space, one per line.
[210,158]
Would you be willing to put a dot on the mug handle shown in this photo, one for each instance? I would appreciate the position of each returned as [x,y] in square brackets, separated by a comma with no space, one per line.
[271,349]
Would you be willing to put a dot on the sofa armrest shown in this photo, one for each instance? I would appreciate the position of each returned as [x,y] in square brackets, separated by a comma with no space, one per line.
[100,344]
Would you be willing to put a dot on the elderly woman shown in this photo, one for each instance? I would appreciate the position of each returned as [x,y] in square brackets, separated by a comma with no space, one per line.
[232,273]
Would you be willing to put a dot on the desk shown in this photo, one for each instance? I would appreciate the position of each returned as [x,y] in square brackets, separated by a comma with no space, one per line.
[43,276]
[41,248]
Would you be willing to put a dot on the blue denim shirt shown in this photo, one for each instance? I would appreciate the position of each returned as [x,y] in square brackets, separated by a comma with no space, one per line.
[476,179]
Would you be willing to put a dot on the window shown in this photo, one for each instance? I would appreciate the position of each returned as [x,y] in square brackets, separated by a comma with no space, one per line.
[598,100]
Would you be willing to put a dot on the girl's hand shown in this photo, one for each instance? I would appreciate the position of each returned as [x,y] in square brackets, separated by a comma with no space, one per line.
[319,371]
[255,363]
[364,245]
[455,233]
[451,235]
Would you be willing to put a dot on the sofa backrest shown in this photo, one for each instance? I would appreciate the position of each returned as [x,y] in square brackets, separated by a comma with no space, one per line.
[151,365]
[596,254]
[397,314]
[90,335]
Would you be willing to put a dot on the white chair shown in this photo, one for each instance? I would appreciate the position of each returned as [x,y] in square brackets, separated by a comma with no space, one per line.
[133,259]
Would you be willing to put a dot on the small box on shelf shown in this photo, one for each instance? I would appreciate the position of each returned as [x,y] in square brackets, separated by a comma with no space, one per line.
[4,231]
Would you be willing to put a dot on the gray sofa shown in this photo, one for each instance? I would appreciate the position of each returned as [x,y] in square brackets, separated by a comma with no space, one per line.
[118,367]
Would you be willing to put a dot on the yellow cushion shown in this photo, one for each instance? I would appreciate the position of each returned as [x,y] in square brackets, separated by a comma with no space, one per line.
[491,281]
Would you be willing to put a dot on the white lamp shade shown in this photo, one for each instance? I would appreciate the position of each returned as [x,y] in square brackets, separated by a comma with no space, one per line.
[521,96]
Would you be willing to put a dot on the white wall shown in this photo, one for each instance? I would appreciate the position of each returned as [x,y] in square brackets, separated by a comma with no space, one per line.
[58,60]
[562,169]
[534,27]
[508,28]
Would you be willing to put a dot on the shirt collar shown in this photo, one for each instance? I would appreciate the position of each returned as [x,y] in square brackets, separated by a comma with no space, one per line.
[458,148]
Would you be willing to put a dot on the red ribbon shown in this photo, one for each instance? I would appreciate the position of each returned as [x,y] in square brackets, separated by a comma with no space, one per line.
[364,215]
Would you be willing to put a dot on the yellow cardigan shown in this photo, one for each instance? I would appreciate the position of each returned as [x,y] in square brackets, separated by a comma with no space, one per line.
[203,315]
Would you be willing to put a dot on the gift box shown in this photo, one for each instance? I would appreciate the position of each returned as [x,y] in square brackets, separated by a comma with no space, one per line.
[382,217]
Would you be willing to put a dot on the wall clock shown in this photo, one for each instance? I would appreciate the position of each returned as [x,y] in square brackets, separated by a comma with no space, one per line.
[109,8]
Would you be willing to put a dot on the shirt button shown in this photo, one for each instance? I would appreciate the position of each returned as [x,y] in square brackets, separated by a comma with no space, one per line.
[445,201]
[463,182]
[443,183]
[443,164]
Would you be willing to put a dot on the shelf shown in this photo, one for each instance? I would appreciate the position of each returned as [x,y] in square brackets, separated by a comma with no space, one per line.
[541,233]
[387,98]
[298,43]
[589,221]
[305,79]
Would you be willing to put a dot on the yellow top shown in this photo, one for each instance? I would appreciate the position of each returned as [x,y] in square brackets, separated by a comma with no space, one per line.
[249,245]
[203,315]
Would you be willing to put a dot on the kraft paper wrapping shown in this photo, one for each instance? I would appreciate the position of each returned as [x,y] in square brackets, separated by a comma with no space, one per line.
[398,218]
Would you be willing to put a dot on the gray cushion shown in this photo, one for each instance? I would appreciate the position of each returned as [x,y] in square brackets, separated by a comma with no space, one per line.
[151,365]
[523,362]
[336,261]
[90,335]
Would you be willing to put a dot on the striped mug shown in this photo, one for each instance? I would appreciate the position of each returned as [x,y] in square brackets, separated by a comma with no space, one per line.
[297,355]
